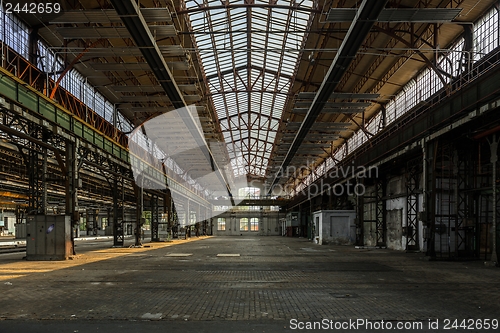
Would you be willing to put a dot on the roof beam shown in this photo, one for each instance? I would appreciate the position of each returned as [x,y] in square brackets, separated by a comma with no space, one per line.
[330,110]
[105,16]
[414,15]
[352,105]
[359,29]
[160,31]
[339,95]
[143,38]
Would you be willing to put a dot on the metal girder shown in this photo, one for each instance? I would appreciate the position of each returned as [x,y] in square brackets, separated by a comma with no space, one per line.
[330,110]
[98,52]
[493,142]
[155,218]
[359,29]
[136,25]
[130,99]
[92,215]
[106,16]
[118,211]
[381,228]
[412,192]
[339,95]
[162,31]
[325,104]
[360,214]
[249,4]
[422,15]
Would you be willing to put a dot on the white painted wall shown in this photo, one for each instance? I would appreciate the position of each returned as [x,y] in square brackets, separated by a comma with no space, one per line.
[335,226]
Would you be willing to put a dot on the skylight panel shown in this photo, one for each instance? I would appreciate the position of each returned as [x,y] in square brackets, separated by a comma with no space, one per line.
[258,39]
[223,124]
[232,52]
[274,124]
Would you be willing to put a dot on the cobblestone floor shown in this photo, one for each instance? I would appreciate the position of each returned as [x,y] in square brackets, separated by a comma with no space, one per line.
[274,278]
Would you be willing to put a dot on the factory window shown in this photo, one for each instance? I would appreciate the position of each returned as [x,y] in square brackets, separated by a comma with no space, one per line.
[14,33]
[249,192]
[104,223]
[47,62]
[244,224]
[83,224]
[221,224]
[254,224]
[486,34]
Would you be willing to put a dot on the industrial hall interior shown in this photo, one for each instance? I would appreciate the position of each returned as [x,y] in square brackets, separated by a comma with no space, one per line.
[227,141]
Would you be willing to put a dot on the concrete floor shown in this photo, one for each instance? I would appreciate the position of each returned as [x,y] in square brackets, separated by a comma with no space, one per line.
[187,286]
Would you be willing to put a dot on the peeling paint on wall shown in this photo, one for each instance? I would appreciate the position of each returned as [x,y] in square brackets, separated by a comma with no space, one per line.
[394,229]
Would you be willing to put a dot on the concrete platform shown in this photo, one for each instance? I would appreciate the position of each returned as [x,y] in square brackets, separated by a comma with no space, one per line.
[273,281]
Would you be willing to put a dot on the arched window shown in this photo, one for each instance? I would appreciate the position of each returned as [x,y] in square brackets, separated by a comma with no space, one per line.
[244,224]
[221,224]
[249,192]
[254,224]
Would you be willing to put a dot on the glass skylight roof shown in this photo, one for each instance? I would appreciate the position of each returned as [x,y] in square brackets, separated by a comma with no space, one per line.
[249,54]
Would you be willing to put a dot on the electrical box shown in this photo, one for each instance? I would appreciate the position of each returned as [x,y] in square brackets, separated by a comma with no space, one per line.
[48,237]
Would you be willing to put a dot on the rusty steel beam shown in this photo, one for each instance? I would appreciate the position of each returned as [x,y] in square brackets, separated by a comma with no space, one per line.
[360,27]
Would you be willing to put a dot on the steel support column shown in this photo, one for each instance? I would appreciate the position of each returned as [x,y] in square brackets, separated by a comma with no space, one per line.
[139,193]
[43,199]
[381,230]
[494,159]
[466,225]
[37,159]
[118,211]
[412,191]
[205,222]
[198,221]
[91,214]
[71,185]
[19,214]
[155,219]
[430,151]
[175,222]
[360,232]
[187,218]
[167,209]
